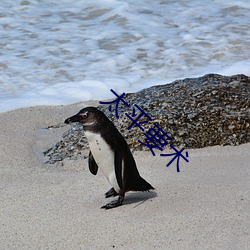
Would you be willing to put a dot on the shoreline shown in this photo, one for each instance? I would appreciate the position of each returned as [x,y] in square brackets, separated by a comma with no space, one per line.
[55,206]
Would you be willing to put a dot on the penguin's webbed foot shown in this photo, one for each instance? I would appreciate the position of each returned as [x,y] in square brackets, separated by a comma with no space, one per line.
[113,204]
[111,193]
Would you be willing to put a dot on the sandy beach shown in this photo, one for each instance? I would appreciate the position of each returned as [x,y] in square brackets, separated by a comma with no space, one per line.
[44,206]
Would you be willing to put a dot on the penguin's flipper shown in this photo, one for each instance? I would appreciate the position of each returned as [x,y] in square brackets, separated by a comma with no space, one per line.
[93,167]
[111,193]
[118,166]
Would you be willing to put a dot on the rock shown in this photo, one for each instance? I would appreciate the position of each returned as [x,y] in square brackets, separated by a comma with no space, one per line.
[194,112]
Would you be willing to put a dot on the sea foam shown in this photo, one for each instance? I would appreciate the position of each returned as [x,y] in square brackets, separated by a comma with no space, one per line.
[62,52]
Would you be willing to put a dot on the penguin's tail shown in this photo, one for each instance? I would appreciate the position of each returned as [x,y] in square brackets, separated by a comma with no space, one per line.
[141,185]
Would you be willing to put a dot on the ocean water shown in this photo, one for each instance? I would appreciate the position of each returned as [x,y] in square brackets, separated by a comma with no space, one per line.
[61,52]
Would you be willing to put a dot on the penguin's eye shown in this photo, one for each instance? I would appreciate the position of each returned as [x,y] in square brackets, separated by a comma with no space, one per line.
[84,115]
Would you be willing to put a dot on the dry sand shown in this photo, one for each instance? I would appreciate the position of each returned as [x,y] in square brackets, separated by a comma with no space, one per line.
[205,206]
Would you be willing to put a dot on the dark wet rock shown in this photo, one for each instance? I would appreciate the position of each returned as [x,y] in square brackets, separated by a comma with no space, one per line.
[194,112]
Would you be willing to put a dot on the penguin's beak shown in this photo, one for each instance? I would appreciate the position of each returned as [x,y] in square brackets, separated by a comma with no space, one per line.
[74,118]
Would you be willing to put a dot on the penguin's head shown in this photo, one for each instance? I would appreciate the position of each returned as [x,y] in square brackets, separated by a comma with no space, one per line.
[88,117]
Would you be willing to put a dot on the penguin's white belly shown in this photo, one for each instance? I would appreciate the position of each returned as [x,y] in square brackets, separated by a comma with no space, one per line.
[104,157]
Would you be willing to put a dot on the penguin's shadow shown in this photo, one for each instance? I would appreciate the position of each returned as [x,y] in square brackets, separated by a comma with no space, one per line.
[137,198]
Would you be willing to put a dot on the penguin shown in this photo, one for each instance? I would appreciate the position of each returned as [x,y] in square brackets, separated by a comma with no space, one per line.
[110,152]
